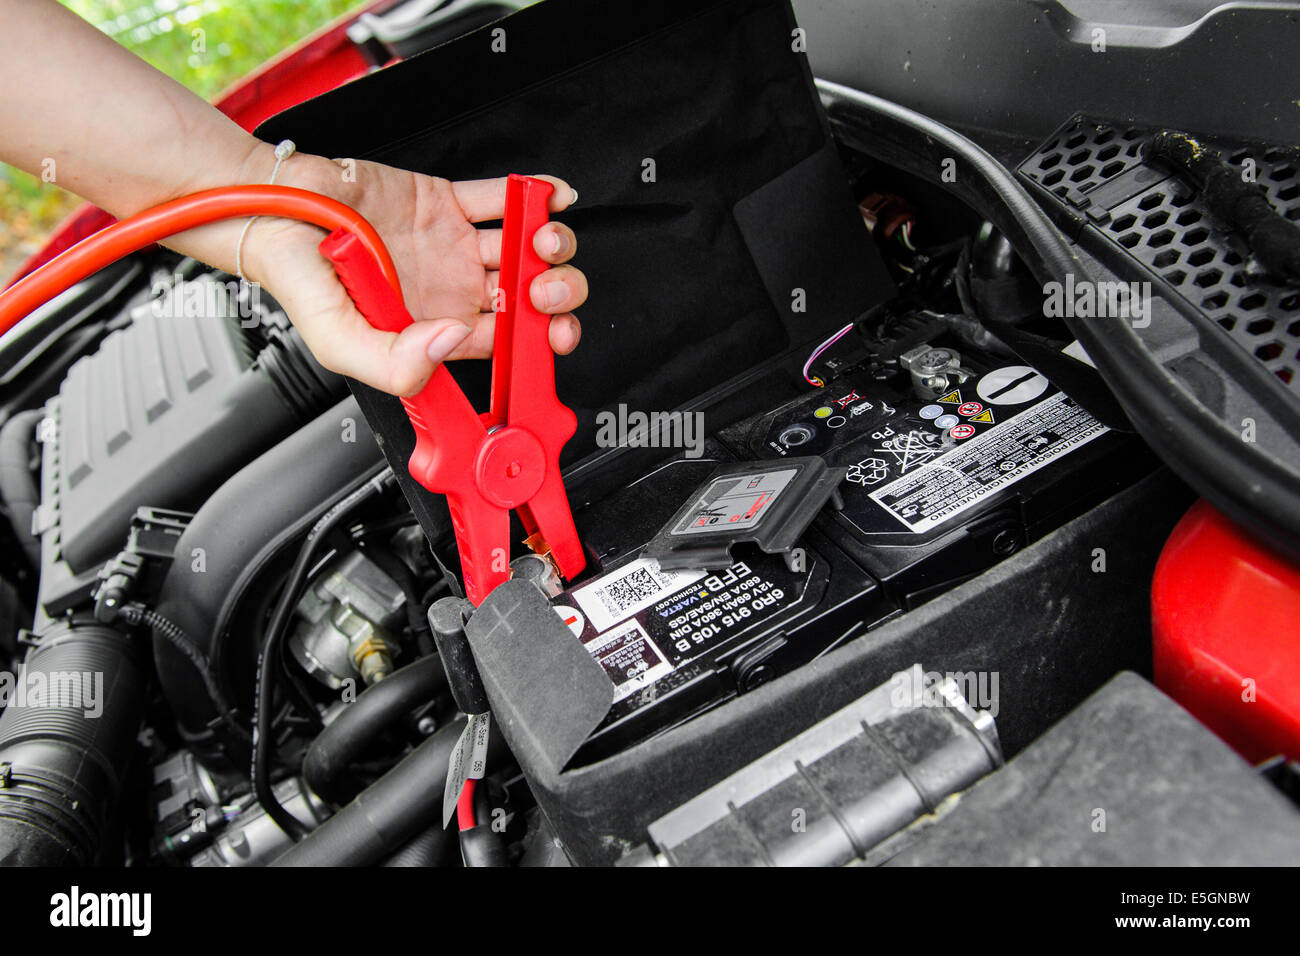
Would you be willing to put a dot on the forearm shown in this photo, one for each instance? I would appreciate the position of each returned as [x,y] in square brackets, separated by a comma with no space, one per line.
[124,136]
[66,84]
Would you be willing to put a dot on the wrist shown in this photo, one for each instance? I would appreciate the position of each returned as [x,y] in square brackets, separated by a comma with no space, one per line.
[315,174]
[256,165]
[219,244]
[268,234]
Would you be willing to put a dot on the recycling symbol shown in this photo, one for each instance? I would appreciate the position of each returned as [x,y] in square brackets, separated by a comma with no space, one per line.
[869,471]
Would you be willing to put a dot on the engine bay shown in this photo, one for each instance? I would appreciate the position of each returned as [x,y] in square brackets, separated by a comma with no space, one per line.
[866,533]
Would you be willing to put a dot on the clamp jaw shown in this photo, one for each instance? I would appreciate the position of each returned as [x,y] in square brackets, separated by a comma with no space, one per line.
[508,457]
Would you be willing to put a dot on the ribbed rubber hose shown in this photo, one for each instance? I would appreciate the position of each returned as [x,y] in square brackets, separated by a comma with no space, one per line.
[64,756]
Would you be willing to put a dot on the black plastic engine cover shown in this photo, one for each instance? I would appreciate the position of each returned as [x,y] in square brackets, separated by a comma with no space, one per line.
[164,411]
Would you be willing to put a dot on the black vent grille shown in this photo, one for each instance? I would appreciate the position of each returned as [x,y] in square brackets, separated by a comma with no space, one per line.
[1082,156]
[1097,168]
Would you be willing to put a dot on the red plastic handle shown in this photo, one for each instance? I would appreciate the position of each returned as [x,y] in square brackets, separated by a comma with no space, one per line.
[523,371]
[444,464]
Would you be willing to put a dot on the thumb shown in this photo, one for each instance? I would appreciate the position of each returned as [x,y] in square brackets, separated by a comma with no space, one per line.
[411,356]
[401,363]
[398,363]
[317,303]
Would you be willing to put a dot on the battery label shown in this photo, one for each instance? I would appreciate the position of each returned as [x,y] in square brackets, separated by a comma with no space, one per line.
[735,502]
[994,459]
[665,628]
[717,606]
[630,658]
[623,592]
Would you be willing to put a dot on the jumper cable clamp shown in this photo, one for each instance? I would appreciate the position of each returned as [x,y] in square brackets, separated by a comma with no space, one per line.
[508,457]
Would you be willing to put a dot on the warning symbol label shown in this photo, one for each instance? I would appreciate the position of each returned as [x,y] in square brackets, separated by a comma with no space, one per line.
[947,485]
[985,416]
[952,398]
[912,449]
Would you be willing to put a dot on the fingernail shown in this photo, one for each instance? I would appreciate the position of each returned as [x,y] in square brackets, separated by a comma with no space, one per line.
[446,341]
[575,195]
[556,293]
[559,243]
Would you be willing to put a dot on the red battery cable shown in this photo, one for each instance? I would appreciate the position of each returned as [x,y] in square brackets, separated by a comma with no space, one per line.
[153,225]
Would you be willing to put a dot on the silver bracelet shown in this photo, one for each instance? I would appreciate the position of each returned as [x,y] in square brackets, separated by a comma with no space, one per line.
[282,152]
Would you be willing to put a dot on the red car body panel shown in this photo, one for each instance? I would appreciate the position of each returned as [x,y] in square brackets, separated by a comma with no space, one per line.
[1226,627]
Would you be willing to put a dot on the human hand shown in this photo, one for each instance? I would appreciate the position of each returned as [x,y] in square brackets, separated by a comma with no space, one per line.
[449,270]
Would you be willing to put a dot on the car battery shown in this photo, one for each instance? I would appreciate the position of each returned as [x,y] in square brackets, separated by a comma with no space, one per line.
[947,473]
[939,480]
[676,642]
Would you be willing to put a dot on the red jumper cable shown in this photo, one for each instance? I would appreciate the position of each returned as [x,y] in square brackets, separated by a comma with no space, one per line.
[485,464]
[465,806]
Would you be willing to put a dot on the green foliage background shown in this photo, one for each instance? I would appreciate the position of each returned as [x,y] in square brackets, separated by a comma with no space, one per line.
[238,35]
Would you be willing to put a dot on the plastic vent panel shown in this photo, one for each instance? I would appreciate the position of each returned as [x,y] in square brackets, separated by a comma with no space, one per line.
[1096,169]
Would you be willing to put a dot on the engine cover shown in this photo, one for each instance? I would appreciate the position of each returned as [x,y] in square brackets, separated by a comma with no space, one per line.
[167,408]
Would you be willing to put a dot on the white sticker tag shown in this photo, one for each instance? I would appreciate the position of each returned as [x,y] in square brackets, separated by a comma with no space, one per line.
[630,658]
[621,593]
[468,761]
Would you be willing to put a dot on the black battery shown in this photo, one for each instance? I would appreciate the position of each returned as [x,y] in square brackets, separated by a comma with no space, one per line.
[941,486]
[675,643]
[937,488]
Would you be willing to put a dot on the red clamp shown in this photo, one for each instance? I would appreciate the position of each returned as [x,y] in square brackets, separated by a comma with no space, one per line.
[509,457]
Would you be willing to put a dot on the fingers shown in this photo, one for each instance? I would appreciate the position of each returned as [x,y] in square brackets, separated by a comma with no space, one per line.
[564,334]
[399,364]
[344,342]
[489,248]
[454,327]
[554,242]
[564,195]
[483,200]
[558,290]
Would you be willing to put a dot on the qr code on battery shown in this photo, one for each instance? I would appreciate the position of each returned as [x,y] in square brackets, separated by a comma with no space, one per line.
[629,591]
